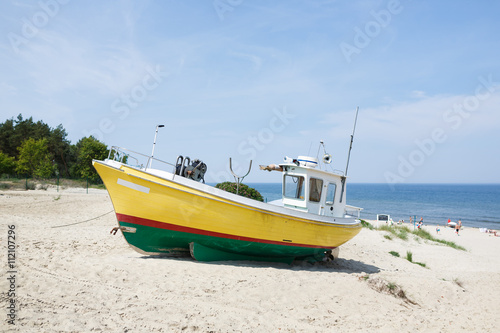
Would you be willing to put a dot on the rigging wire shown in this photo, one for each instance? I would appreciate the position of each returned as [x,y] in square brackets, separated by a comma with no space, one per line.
[94,218]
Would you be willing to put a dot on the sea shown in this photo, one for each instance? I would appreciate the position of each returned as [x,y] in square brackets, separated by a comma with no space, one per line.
[477,205]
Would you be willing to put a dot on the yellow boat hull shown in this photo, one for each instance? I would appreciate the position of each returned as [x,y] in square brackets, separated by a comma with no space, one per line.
[168,216]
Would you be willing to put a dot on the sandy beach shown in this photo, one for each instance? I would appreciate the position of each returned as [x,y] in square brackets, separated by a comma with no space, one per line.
[72,275]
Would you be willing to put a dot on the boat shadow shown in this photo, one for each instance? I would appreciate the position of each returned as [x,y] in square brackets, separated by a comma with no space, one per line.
[340,265]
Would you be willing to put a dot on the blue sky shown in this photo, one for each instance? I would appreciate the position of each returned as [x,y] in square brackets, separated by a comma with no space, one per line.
[260,80]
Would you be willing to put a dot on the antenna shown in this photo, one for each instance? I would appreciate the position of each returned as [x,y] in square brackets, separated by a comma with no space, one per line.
[349,155]
[352,138]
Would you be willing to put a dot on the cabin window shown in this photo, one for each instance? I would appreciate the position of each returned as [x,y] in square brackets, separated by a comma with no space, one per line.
[330,193]
[294,187]
[315,187]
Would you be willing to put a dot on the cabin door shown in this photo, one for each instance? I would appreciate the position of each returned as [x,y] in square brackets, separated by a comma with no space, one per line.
[314,203]
[330,199]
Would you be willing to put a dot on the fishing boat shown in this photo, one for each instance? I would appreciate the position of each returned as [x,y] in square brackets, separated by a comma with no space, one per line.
[175,213]
[172,211]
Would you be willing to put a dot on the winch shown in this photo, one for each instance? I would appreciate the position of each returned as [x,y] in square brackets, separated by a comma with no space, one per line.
[193,170]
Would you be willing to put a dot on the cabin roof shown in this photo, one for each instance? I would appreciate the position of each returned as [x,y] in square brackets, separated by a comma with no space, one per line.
[310,170]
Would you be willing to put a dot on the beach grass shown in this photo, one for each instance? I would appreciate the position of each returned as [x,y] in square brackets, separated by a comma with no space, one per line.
[394,253]
[387,287]
[402,232]
[426,235]
[459,283]
[391,286]
[367,225]
[399,232]
[409,257]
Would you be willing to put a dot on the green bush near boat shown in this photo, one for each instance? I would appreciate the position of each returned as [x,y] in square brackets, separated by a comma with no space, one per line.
[243,190]
[365,224]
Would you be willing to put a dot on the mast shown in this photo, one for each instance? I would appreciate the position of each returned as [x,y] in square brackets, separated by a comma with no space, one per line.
[349,155]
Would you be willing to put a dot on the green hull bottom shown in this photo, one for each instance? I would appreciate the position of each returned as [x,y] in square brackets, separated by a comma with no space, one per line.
[204,253]
[151,240]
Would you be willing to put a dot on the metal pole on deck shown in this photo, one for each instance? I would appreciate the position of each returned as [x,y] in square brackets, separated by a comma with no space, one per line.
[154,144]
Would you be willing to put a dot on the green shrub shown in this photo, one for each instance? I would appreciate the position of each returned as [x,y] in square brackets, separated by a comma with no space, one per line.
[391,286]
[409,256]
[400,232]
[426,235]
[244,190]
[365,224]
[394,253]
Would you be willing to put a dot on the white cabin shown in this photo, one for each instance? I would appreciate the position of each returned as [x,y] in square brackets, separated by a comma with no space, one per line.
[308,189]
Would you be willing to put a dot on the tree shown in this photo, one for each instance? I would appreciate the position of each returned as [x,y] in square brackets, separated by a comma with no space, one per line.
[25,129]
[61,150]
[7,145]
[34,159]
[14,132]
[7,164]
[89,148]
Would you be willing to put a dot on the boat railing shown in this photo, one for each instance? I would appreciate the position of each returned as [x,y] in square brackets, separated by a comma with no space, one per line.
[134,159]
[352,211]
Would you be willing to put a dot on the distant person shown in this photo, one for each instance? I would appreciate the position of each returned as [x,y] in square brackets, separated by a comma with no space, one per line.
[437,229]
[494,232]
[458,226]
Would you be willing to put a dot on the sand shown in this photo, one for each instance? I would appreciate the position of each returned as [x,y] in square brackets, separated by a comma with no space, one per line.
[79,278]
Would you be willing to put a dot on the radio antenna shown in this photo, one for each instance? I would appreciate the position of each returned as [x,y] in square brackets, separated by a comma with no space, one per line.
[349,155]
[352,139]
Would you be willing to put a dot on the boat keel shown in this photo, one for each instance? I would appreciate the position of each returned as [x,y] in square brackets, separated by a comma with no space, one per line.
[203,253]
